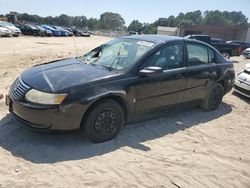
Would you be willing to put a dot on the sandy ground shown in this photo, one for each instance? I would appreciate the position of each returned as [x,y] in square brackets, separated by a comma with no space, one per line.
[190,148]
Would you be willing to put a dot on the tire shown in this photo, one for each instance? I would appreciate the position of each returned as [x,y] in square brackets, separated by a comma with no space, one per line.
[214,98]
[226,55]
[103,122]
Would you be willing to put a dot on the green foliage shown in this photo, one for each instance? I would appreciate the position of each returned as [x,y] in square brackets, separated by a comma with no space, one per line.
[225,18]
[93,23]
[196,17]
[108,20]
[114,21]
[135,26]
[149,28]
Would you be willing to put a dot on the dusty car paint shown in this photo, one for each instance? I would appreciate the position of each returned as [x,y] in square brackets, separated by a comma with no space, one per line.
[61,75]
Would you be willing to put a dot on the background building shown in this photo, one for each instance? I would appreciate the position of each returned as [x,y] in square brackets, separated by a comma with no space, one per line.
[223,32]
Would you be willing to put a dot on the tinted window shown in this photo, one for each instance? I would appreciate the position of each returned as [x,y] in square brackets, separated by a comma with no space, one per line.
[197,54]
[169,57]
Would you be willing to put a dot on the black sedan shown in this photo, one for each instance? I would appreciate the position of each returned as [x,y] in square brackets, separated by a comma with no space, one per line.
[81,33]
[119,81]
[243,45]
[28,29]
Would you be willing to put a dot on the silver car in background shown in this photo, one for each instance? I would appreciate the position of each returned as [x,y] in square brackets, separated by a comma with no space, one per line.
[14,30]
[246,53]
[242,82]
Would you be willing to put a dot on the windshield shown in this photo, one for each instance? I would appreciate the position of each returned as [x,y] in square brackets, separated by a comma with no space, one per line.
[59,28]
[117,54]
[39,27]
[31,26]
[48,27]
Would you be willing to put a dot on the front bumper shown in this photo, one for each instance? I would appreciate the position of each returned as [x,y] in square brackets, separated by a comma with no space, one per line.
[42,117]
[16,33]
[242,88]
[246,55]
[6,34]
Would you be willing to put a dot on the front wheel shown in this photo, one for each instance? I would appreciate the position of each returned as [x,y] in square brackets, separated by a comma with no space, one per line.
[214,98]
[103,122]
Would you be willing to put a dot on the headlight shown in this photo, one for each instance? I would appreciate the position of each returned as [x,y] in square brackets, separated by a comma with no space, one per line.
[40,97]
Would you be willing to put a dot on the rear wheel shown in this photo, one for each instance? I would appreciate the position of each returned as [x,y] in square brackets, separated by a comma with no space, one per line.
[214,98]
[103,122]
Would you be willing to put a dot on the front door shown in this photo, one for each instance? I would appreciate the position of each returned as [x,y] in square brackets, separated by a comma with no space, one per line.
[166,88]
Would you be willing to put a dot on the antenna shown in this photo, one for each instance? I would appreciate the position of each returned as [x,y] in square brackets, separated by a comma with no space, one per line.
[75,46]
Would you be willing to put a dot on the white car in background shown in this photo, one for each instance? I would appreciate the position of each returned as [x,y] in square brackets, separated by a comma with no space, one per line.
[246,53]
[14,30]
[242,82]
[4,32]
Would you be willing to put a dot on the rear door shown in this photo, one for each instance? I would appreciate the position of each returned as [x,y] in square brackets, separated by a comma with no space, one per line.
[202,70]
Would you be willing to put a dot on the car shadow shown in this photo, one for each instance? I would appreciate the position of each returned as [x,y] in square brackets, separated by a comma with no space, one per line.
[51,148]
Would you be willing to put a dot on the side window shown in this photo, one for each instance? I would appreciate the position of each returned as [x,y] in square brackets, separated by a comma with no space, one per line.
[211,56]
[169,57]
[197,54]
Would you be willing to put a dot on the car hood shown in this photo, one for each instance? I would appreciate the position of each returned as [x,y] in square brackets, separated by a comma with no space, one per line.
[12,28]
[63,75]
[4,29]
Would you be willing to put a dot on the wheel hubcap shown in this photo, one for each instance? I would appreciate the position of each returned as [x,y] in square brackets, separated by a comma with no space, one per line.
[105,123]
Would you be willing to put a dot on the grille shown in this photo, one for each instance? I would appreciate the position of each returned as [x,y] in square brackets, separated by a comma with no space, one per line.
[18,89]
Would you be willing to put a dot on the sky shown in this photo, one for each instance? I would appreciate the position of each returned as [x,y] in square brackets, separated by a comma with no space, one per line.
[142,10]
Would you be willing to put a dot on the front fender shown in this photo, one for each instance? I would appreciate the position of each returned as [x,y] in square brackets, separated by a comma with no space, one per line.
[98,96]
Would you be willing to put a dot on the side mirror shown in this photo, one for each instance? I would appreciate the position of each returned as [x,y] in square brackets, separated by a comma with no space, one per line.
[150,71]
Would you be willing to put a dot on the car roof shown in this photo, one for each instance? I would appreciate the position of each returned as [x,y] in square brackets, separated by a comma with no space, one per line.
[154,38]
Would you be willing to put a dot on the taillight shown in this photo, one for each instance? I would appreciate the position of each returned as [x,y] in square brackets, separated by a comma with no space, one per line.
[238,49]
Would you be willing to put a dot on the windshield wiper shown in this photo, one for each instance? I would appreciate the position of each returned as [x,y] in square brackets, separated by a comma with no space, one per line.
[81,59]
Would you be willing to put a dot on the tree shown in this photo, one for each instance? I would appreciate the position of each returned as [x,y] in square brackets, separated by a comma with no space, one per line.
[48,20]
[195,16]
[162,22]
[112,21]
[149,28]
[235,18]
[135,25]
[214,18]
[170,21]
[93,23]
[225,18]
[63,20]
[80,21]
